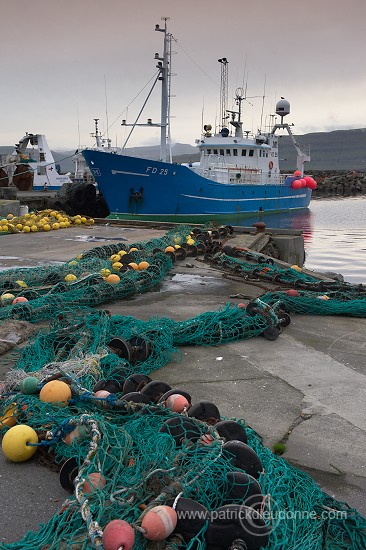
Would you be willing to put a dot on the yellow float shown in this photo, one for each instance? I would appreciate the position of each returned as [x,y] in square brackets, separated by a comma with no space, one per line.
[16,443]
[9,417]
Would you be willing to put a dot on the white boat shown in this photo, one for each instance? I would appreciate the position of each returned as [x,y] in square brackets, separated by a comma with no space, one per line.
[82,173]
[31,166]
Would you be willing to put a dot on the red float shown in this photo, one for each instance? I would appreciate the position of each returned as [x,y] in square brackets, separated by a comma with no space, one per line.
[312,184]
[159,523]
[296,184]
[94,482]
[177,403]
[206,439]
[297,173]
[19,300]
[118,534]
[292,292]
[102,394]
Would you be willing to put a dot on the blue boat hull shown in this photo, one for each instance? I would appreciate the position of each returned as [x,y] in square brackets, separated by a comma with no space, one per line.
[136,188]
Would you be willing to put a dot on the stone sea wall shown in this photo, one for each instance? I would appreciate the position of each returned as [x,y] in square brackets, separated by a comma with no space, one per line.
[339,183]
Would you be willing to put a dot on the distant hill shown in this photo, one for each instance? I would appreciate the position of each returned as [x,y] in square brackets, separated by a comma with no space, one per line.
[337,150]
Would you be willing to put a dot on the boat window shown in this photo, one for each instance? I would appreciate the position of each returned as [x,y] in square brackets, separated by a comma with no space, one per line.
[228,152]
[209,151]
[260,152]
[215,151]
[41,170]
[41,157]
[243,152]
[222,152]
[251,152]
[235,152]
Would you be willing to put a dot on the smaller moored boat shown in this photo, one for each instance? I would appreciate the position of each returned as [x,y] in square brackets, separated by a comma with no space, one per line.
[31,169]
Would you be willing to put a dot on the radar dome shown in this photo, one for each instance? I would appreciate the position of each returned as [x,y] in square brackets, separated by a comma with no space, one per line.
[282,107]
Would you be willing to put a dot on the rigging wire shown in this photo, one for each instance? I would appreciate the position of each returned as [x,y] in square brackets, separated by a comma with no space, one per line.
[195,62]
[142,108]
[136,96]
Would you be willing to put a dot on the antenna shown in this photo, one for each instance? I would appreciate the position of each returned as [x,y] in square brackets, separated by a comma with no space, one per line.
[106,105]
[77,114]
[263,97]
[223,89]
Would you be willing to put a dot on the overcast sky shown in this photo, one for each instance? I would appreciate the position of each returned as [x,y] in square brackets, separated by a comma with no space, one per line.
[66,62]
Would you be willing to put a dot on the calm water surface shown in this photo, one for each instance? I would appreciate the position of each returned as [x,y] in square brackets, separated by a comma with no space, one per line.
[334,233]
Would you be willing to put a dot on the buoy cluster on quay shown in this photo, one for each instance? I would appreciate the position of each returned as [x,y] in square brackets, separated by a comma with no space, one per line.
[45,220]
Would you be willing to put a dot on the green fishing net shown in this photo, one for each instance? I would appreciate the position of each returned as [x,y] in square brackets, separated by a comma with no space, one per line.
[138,462]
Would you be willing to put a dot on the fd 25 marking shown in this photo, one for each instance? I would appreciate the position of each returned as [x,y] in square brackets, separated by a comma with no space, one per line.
[154,170]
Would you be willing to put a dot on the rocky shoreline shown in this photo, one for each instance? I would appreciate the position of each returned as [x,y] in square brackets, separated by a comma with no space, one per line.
[339,183]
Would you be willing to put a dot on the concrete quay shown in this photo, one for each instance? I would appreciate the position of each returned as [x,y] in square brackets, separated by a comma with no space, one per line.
[307,388]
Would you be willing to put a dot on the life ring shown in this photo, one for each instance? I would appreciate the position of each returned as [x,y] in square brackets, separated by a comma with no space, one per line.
[270,164]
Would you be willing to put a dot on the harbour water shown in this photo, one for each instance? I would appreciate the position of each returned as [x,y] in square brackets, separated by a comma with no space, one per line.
[334,234]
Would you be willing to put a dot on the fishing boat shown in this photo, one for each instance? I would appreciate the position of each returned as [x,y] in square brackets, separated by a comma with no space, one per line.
[31,166]
[238,174]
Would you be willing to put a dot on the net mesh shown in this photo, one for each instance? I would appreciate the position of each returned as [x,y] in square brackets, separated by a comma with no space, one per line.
[140,464]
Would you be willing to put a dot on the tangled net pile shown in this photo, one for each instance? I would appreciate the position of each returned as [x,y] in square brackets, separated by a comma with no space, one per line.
[141,462]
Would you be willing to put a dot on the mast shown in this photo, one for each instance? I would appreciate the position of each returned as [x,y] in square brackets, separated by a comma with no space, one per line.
[97,135]
[163,65]
[164,75]
[223,90]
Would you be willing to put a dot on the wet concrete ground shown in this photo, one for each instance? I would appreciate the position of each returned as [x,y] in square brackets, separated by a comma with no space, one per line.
[306,388]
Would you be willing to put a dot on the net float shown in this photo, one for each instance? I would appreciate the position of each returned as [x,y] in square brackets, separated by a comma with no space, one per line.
[205,411]
[177,403]
[112,279]
[231,430]
[234,522]
[56,391]
[9,418]
[118,534]
[80,432]
[242,456]
[19,300]
[94,481]
[16,443]
[159,523]
[29,385]
[192,517]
